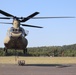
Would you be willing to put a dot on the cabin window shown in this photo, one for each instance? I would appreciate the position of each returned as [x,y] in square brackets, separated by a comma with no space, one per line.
[8,33]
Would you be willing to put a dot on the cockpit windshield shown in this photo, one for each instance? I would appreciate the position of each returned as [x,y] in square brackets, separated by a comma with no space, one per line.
[16,31]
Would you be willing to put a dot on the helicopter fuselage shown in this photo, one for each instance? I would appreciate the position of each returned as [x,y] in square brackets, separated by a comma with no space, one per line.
[15,39]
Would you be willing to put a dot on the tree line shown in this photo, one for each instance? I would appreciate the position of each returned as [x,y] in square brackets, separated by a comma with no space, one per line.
[53,51]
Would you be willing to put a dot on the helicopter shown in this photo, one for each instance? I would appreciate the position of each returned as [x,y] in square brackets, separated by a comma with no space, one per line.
[16,35]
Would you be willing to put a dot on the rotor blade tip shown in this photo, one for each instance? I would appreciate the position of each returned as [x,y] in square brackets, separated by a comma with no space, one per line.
[37,12]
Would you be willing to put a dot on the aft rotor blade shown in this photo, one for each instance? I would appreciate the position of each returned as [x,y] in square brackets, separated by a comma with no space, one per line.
[53,17]
[5,23]
[5,13]
[30,16]
[31,26]
[5,18]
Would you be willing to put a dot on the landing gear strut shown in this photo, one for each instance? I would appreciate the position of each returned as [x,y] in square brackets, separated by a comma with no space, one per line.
[5,49]
[25,51]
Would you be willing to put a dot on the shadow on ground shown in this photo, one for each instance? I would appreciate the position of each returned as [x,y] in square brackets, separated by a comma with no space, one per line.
[49,65]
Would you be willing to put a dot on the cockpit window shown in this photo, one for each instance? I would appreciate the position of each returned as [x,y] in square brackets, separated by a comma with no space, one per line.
[14,30]
[18,30]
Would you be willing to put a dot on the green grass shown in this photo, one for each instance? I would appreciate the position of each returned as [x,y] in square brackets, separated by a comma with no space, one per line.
[38,60]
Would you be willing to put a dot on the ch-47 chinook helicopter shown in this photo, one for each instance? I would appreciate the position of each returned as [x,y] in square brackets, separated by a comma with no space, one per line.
[16,34]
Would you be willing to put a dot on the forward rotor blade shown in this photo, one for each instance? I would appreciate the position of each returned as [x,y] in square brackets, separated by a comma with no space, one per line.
[36,17]
[5,23]
[5,13]
[31,26]
[52,17]
[30,16]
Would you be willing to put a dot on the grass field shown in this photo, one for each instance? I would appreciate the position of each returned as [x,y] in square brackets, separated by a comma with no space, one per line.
[38,60]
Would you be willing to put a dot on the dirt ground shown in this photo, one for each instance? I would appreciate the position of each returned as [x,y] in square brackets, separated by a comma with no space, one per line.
[38,60]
